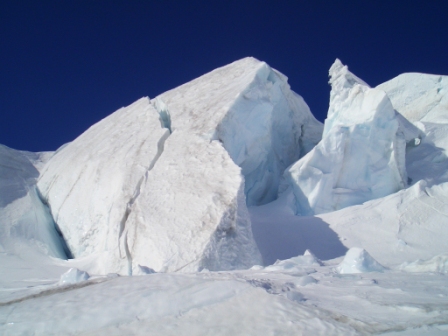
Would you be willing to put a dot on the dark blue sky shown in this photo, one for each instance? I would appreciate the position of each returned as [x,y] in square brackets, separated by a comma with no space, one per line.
[64,65]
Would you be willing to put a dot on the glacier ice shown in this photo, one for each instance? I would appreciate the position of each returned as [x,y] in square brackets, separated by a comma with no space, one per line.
[90,184]
[250,108]
[361,155]
[165,182]
[190,177]
[24,219]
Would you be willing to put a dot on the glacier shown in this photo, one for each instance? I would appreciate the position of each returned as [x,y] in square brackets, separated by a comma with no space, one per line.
[362,153]
[180,191]
[126,192]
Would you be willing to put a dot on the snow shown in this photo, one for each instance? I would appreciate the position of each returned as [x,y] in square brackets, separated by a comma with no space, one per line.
[361,156]
[160,187]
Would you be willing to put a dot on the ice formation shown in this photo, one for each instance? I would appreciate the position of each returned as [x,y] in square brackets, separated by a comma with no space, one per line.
[24,219]
[72,276]
[362,153]
[358,260]
[308,259]
[250,108]
[164,183]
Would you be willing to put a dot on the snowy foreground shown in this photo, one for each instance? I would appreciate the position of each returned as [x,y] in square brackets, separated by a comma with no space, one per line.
[223,207]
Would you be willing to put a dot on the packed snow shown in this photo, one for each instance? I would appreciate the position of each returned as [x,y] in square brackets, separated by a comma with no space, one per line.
[224,207]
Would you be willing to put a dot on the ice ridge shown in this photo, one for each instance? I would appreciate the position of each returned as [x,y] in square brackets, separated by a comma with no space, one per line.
[362,153]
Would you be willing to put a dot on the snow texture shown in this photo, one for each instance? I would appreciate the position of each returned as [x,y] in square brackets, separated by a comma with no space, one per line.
[362,153]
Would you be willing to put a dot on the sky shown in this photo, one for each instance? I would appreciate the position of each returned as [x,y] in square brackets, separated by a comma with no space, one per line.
[65,65]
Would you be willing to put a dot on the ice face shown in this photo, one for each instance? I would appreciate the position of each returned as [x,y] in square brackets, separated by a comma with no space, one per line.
[166,183]
[361,155]
[249,107]
[419,97]
[24,218]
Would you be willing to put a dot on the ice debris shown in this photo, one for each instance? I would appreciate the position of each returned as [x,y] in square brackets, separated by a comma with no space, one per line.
[306,260]
[437,264]
[358,260]
[72,276]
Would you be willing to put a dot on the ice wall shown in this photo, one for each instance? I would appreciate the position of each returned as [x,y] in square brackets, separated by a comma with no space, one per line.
[250,108]
[164,183]
[128,192]
[361,155]
[24,219]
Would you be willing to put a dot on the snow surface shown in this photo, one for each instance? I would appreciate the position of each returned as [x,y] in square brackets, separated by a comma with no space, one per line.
[379,267]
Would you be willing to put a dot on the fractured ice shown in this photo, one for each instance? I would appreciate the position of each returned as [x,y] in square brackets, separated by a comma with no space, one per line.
[362,153]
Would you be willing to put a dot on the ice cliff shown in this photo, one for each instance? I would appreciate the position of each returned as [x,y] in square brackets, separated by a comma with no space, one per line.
[164,183]
[362,153]
[250,108]
[24,220]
